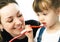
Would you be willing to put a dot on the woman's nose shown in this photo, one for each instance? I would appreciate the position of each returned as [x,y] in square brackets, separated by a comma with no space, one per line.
[17,21]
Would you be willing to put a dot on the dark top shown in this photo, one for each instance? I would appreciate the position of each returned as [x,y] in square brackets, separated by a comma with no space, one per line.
[6,37]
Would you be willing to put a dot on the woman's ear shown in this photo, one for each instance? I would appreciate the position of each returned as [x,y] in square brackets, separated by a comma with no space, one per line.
[58,11]
[1,27]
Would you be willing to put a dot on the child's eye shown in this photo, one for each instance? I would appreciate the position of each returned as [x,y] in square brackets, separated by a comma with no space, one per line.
[44,14]
[38,14]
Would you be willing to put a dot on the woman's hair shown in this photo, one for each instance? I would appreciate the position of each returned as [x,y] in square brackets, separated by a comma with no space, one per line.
[5,2]
[39,5]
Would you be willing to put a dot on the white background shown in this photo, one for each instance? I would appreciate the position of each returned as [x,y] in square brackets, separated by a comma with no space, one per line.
[25,7]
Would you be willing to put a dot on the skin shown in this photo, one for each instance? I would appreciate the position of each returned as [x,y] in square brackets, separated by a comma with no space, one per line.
[13,22]
[51,18]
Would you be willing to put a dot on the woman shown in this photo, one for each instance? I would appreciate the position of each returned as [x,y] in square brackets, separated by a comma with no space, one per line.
[12,22]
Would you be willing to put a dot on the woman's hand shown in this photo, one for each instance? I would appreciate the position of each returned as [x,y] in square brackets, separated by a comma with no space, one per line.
[29,33]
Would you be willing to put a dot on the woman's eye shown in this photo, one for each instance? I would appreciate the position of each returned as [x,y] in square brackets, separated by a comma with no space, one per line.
[10,20]
[19,15]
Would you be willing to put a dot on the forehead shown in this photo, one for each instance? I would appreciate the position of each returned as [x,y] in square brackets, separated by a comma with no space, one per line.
[9,10]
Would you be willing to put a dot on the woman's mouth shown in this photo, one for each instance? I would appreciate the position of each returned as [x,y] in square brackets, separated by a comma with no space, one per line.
[19,29]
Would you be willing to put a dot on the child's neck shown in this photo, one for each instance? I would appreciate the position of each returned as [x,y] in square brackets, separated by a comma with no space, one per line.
[54,28]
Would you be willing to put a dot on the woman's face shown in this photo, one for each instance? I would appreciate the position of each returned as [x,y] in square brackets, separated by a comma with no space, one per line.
[48,17]
[12,19]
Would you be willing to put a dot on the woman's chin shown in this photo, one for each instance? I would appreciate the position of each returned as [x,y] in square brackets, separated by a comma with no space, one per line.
[21,37]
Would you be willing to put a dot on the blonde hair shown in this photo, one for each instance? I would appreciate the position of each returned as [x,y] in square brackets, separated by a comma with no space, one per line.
[39,5]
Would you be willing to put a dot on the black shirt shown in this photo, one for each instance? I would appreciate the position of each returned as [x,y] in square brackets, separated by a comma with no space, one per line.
[6,37]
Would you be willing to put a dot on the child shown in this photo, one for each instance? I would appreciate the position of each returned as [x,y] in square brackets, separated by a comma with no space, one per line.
[12,22]
[48,14]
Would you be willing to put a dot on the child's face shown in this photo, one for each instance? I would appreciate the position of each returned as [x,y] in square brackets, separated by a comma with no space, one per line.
[12,19]
[48,17]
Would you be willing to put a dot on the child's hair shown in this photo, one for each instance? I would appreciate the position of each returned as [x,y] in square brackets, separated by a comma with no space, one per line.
[4,3]
[39,5]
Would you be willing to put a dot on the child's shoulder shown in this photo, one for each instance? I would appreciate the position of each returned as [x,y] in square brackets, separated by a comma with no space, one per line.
[40,30]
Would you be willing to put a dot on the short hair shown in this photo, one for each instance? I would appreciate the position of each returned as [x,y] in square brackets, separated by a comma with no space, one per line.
[37,4]
[5,2]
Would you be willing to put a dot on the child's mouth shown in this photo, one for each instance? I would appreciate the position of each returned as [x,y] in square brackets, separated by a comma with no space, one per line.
[44,23]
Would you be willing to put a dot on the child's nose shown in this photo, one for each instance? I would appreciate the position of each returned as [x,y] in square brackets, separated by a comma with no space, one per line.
[41,19]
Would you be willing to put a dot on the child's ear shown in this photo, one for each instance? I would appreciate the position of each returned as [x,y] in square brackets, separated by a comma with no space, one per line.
[1,27]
